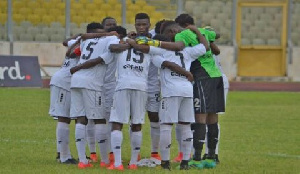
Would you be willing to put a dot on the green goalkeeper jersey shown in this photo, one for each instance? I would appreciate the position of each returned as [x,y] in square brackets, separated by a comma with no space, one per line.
[204,66]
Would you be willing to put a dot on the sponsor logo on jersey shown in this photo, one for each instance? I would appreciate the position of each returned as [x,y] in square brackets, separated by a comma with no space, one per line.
[176,74]
[134,67]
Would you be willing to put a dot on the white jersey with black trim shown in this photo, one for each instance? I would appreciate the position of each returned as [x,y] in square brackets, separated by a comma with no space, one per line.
[132,69]
[225,79]
[172,83]
[62,78]
[93,78]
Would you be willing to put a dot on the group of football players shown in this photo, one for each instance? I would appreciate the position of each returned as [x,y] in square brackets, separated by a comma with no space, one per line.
[111,77]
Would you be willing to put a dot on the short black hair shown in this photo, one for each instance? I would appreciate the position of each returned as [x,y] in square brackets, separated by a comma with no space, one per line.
[166,24]
[93,26]
[161,37]
[184,19]
[120,30]
[158,25]
[106,18]
[142,16]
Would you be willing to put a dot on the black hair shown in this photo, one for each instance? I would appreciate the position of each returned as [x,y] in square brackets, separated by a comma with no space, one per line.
[166,25]
[142,16]
[184,19]
[119,29]
[93,26]
[158,25]
[106,18]
[161,37]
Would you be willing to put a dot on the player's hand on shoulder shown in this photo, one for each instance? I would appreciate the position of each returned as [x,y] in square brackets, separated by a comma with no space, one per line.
[192,28]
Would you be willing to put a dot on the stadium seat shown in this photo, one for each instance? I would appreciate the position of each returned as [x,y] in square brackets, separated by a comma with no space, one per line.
[33,4]
[141,3]
[273,42]
[113,2]
[25,24]
[105,7]
[18,4]
[92,7]
[83,25]
[41,38]
[48,5]
[34,19]
[75,31]
[266,17]
[77,19]
[60,31]
[189,5]
[18,18]
[61,19]
[48,31]
[61,6]
[258,41]
[3,18]
[76,6]
[25,11]
[246,41]
[55,11]
[99,14]
[57,38]
[39,11]
[73,25]
[114,14]
[47,19]
[26,37]
[272,10]
[33,30]
[55,25]
[260,24]
[256,10]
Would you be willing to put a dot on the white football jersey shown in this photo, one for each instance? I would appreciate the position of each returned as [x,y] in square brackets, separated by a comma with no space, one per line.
[225,79]
[172,83]
[132,70]
[93,77]
[62,78]
[153,77]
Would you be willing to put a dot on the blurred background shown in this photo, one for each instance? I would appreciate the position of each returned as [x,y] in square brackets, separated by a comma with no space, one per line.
[260,40]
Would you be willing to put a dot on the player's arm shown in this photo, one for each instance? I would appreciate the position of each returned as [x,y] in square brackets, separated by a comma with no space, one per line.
[214,48]
[140,47]
[86,65]
[98,35]
[178,69]
[173,46]
[68,53]
[117,48]
[65,42]
[200,37]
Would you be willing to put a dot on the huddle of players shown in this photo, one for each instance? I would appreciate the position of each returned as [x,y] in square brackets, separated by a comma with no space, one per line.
[88,93]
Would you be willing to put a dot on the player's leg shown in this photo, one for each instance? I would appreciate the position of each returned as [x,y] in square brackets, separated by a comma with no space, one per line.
[178,158]
[152,109]
[91,140]
[119,115]
[185,118]
[138,101]
[78,111]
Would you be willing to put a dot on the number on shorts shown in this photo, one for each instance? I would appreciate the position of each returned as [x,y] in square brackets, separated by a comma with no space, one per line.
[177,53]
[90,49]
[196,102]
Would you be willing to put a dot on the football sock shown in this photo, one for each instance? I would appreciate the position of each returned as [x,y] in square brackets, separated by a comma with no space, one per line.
[80,142]
[212,138]
[63,137]
[109,137]
[155,135]
[199,139]
[186,140]
[165,141]
[217,146]
[57,144]
[136,142]
[116,143]
[178,136]
[90,135]
[101,138]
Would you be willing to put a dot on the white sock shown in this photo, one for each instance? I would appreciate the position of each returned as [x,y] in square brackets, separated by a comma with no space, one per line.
[57,144]
[165,141]
[80,142]
[101,138]
[90,135]
[155,135]
[63,133]
[136,142]
[217,146]
[109,125]
[116,144]
[186,140]
[178,136]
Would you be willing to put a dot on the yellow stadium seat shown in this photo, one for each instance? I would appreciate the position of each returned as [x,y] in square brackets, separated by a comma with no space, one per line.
[61,6]
[90,19]
[40,11]
[77,19]
[61,19]
[76,6]
[149,8]
[74,12]
[99,14]
[55,11]
[133,7]
[114,14]
[34,19]
[141,3]
[128,2]
[18,4]
[48,5]
[92,7]
[85,13]
[3,18]
[113,2]
[18,18]
[84,1]
[3,5]
[25,11]
[105,7]
[33,4]
[48,19]
[157,15]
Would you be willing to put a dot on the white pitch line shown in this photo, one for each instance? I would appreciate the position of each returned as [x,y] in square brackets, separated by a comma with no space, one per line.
[284,155]
[47,141]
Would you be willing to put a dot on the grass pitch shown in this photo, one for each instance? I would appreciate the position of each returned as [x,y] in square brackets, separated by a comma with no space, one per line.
[259,134]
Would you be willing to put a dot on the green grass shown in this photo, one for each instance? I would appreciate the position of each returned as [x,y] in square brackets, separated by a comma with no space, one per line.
[259,134]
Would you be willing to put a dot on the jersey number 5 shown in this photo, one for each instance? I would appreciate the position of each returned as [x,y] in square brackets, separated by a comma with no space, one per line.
[90,50]
[181,58]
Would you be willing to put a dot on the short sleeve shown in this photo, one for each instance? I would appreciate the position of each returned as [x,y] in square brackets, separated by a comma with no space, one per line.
[112,40]
[211,35]
[107,57]
[157,60]
[181,38]
[71,42]
[155,50]
[195,51]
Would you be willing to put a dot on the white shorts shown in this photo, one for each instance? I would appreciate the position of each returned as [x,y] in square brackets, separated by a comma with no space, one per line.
[89,103]
[109,94]
[176,109]
[129,103]
[60,100]
[153,101]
